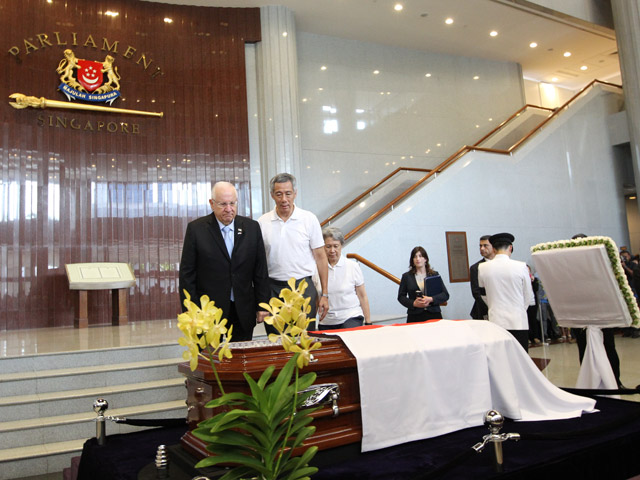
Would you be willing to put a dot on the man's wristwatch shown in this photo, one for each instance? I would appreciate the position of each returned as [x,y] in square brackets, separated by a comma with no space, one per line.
[325,295]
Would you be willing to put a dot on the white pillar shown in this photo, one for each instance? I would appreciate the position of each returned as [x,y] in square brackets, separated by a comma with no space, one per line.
[626,18]
[277,71]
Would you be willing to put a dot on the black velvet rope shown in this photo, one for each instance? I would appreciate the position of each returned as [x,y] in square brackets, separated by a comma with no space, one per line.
[157,422]
[602,391]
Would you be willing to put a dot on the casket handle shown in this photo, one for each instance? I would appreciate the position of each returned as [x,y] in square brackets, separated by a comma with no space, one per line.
[323,393]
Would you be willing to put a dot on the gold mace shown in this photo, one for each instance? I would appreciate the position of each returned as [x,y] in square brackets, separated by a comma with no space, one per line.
[24,101]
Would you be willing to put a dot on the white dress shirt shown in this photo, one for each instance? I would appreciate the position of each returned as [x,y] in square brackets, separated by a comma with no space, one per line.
[289,244]
[509,293]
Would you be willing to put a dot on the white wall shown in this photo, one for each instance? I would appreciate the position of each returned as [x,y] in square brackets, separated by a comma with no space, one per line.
[563,181]
[397,117]
[545,94]
[594,11]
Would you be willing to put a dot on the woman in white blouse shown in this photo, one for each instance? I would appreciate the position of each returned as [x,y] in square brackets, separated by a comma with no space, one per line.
[348,301]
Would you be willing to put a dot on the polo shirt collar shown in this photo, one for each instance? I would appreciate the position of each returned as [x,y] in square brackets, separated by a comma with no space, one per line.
[341,261]
[295,215]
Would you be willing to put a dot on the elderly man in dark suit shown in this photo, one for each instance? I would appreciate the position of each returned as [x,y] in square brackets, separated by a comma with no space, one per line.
[480,311]
[223,257]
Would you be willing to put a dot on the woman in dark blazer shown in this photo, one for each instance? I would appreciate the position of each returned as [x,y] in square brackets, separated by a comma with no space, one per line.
[421,306]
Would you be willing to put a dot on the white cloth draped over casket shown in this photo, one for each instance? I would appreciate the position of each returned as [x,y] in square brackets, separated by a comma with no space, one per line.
[423,380]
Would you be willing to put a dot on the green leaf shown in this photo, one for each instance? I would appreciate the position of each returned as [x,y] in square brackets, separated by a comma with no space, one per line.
[266,375]
[277,389]
[238,473]
[233,458]
[226,399]
[301,473]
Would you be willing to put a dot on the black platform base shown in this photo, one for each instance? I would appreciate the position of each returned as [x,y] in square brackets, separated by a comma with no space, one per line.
[586,448]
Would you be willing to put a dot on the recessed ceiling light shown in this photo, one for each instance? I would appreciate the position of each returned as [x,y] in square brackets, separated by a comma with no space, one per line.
[493,33]
[533,44]
[111,14]
[304,99]
[323,67]
[476,77]
[376,72]
[168,20]
[398,7]
[284,34]
[583,67]
[427,75]
[554,79]
[567,54]
[449,21]
[320,89]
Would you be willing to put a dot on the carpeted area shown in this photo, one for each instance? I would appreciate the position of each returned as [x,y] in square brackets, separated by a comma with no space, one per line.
[587,448]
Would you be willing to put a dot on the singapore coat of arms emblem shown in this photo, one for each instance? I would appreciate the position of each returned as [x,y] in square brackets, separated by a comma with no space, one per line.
[88,80]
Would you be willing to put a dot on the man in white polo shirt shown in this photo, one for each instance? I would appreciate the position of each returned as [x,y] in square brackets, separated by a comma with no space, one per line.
[294,244]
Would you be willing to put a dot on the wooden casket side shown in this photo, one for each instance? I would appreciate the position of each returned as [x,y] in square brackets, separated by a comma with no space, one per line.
[333,363]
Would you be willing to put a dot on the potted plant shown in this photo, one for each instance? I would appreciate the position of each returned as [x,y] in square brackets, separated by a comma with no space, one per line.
[257,432]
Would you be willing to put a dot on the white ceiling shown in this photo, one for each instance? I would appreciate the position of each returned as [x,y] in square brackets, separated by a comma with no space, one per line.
[420,25]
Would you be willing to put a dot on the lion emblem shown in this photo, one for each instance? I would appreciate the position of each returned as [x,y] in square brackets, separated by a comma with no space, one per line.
[87,75]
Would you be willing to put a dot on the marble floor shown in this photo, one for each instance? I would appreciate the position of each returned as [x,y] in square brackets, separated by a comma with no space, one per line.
[562,369]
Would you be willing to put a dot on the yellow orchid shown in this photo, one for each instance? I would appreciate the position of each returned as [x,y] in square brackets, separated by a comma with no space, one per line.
[191,353]
[289,316]
[304,348]
[215,331]
[203,328]
[225,349]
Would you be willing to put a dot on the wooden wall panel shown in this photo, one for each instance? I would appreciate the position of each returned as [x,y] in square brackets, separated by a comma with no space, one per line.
[72,190]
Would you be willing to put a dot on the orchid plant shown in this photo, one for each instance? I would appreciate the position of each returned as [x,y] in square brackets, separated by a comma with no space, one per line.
[257,433]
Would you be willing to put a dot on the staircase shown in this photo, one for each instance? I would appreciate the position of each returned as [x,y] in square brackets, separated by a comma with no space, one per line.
[46,404]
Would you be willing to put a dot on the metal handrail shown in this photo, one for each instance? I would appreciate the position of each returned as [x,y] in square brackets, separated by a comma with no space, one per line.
[371,189]
[374,267]
[461,152]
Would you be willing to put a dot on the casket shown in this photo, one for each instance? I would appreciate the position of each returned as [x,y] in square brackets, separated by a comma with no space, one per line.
[336,423]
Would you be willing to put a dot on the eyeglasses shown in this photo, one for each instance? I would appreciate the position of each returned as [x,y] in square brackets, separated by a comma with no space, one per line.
[226,204]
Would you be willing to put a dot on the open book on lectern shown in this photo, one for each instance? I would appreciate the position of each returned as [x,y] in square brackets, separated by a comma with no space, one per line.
[582,287]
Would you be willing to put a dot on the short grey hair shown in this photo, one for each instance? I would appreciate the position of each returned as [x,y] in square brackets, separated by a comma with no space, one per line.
[282,178]
[334,233]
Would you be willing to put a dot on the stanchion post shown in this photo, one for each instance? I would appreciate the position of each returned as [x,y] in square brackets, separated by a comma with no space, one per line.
[100,406]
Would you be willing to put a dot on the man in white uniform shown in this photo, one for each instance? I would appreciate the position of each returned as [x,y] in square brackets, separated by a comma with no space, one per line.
[294,244]
[508,288]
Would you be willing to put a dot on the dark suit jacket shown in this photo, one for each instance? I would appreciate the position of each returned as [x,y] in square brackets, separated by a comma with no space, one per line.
[480,308]
[205,267]
[407,294]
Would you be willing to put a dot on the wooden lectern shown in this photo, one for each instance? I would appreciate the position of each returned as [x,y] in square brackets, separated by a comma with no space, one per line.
[117,277]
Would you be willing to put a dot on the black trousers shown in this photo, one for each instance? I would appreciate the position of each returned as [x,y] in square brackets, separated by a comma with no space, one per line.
[239,333]
[523,338]
[423,316]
